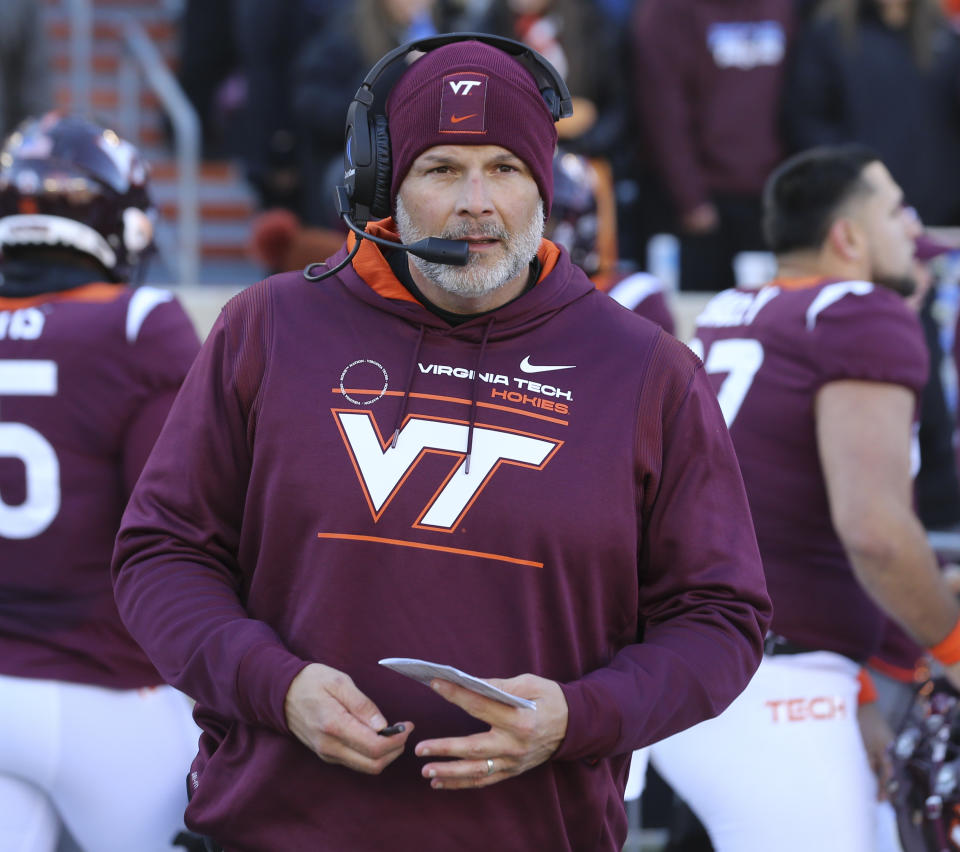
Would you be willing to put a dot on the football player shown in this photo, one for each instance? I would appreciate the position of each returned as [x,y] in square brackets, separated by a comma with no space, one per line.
[91,741]
[818,375]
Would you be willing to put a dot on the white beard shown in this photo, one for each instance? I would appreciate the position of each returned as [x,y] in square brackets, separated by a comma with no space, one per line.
[476,278]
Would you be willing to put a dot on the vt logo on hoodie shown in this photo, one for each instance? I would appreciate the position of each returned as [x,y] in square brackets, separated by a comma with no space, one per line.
[382,469]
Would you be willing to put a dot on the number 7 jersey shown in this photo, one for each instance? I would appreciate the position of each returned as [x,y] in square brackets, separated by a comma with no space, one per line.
[768,352]
[87,376]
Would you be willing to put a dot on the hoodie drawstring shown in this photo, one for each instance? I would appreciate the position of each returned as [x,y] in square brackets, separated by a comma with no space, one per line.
[407,388]
[404,404]
[473,395]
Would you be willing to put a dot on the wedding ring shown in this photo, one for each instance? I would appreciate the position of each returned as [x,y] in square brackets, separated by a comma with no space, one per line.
[489,766]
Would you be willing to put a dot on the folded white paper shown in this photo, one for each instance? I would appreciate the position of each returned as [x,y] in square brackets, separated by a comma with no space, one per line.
[424,672]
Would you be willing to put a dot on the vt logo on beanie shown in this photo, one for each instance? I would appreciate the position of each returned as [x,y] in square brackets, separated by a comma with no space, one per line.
[463,103]
[470,93]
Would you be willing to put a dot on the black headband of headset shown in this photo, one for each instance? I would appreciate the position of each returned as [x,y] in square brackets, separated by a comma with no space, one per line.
[551,84]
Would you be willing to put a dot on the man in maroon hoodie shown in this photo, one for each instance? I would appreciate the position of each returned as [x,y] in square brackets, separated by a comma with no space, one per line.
[492,466]
[708,80]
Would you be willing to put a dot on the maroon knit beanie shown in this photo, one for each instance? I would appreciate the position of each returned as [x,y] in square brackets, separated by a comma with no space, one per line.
[469,93]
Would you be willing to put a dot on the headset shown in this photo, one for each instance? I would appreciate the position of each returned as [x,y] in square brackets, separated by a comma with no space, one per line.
[367,173]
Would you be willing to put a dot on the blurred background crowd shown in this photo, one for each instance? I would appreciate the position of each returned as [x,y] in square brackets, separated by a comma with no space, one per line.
[682,106]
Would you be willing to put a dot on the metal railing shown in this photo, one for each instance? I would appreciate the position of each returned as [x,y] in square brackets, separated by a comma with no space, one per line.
[145,61]
[186,135]
[81,54]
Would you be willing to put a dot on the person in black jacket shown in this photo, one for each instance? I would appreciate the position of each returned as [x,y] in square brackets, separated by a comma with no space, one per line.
[884,74]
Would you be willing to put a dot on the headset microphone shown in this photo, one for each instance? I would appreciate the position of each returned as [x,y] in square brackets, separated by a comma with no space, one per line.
[433,249]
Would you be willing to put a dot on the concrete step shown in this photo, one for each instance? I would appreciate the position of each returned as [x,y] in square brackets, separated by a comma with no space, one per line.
[106,60]
[165,7]
[232,203]
[227,207]
[106,98]
[210,211]
[217,239]
[109,53]
[164,168]
[221,183]
[109,30]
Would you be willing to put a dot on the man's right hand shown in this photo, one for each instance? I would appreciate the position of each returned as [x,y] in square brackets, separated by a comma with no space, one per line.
[703,219]
[335,720]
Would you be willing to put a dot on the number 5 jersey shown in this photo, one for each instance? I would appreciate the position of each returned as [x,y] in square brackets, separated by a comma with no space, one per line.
[87,376]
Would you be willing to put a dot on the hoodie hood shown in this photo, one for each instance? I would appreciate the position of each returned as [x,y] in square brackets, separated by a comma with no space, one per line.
[370,278]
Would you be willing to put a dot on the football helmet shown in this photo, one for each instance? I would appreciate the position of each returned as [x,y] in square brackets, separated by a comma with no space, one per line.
[573,221]
[65,181]
[925,789]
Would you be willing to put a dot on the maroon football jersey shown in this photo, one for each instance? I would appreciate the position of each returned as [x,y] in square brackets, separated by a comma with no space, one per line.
[768,352]
[87,376]
[643,294]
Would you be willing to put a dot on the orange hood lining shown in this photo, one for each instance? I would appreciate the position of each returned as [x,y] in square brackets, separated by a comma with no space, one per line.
[372,266]
[800,283]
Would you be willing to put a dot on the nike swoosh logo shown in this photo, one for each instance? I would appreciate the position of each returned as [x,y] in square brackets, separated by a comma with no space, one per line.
[456,119]
[527,367]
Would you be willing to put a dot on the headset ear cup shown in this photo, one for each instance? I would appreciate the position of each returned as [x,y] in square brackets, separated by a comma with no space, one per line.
[380,206]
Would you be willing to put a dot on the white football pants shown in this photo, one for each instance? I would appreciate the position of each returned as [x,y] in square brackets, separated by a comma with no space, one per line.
[784,767]
[109,764]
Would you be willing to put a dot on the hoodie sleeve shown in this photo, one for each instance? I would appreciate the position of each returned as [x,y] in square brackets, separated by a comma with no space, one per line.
[176,577]
[703,602]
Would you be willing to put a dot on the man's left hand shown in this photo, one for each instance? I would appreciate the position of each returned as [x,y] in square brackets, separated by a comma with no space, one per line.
[519,739]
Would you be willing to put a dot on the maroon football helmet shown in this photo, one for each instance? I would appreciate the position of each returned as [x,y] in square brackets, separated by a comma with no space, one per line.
[573,220]
[67,182]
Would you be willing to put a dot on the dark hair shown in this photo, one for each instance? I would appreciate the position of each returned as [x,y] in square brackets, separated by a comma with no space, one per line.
[803,194]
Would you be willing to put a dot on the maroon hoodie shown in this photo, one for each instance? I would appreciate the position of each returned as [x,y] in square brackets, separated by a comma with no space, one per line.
[275,524]
[708,80]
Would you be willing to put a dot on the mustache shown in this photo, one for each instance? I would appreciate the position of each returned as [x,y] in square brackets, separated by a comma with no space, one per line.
[487,229]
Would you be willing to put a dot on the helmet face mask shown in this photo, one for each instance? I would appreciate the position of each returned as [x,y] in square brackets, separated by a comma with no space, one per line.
[67,182]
